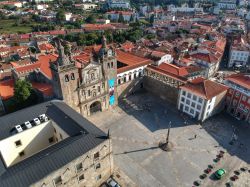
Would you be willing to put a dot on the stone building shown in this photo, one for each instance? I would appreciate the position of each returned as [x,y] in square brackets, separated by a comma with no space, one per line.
[88,87]
[51,145]
[201,98]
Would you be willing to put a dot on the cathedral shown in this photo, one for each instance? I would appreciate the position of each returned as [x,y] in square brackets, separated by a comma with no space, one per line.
[90,88]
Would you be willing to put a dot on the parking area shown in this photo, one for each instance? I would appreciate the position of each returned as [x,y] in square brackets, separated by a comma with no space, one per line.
[141,121]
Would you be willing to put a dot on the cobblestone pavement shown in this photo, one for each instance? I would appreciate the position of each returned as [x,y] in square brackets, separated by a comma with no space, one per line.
[141,121]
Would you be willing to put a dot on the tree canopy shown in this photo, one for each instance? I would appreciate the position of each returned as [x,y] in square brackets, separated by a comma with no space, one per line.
[22,91]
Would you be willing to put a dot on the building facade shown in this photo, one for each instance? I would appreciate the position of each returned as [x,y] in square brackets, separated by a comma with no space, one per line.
[52,145]
[201,98]
[238,96]
[90,87]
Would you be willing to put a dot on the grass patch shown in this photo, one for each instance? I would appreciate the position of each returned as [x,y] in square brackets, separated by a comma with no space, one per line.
[8,26]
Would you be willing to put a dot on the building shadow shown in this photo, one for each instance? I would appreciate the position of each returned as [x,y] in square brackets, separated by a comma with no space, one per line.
[156,114]
[138,150]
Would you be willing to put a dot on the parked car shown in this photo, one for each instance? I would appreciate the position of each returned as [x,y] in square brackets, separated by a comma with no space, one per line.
[220,173]
[112,183]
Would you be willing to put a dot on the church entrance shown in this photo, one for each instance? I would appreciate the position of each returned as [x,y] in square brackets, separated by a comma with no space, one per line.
[95,107]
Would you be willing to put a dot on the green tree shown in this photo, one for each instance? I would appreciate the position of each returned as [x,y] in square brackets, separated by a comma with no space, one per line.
[22,91]
[60,16]
[121,18]
[90,19]
[152,19]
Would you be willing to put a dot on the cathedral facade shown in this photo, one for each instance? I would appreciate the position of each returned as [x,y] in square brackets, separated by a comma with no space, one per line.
[89,88]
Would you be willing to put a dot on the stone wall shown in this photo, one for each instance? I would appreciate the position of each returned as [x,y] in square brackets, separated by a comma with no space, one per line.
[129,87]
[70,176]
[161,89]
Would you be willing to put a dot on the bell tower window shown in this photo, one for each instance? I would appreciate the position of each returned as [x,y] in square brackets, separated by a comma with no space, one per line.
[66,78]
[72,76]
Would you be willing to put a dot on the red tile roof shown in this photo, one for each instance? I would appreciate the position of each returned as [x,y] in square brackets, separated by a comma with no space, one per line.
[43,63]
[6,89]
[209,58]
[83,58]
[171,70]
[45,88]
[204,88]
[131,61]
[240,79]
[46,47]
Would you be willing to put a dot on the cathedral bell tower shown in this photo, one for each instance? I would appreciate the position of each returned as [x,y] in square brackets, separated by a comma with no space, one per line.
[107,57]
[65,78]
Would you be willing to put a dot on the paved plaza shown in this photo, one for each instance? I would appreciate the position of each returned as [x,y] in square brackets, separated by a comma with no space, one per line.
[141,121]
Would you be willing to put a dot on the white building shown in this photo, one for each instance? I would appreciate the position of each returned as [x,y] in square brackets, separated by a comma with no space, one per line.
[239,54]
[201,98]
[68,16]
[114,15]
[227,4]
[161,57]
[119,4]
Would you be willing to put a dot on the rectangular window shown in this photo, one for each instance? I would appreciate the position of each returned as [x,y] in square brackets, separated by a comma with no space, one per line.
[237,94]
[21,154]
[98,177]
[58,181]
[97,166]
[198,107]
[99,89]
[96,155]
[61,136]
[192,111]
[88,92]
[79,167]
[18,143]
[193,104]
[183,92]
[188,102]
[194,97]
[244,98]
[186,108]
[51,139]
[189,95]
[200,100]
[182,99]
[81,177]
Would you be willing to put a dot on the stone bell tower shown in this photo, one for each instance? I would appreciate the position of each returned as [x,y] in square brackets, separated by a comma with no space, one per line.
[65,78]
[107,57]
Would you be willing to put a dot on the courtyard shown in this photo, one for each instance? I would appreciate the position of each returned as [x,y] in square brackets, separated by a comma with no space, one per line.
[141,121]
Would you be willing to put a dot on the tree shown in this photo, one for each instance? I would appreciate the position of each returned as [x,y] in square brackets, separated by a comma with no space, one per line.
[152,19]
[60,16]
[22,91]
[90,19]
[132,18]
[121,18]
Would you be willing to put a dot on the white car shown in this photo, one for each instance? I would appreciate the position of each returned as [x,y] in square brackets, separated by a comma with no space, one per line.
[112,183]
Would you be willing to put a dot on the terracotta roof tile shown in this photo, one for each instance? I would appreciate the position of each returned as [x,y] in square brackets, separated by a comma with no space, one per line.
[240,79]
[204,88]
[131,61]
[45,88]
[7,89]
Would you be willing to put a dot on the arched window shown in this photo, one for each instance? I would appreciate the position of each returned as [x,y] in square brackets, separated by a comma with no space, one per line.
[72,76]
[119,81]
[66,78]
[124,79]
[92,76]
